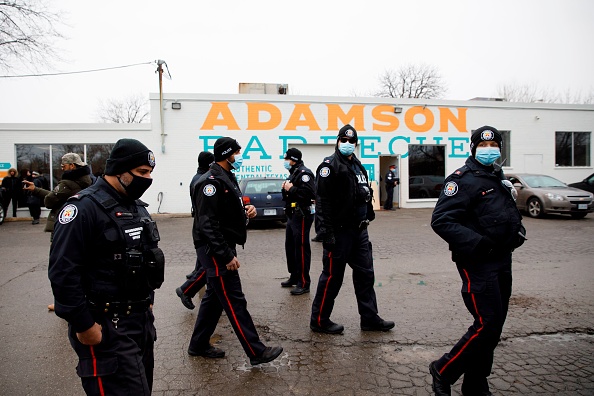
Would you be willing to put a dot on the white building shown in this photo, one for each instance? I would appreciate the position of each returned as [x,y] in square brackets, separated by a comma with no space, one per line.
[422,137]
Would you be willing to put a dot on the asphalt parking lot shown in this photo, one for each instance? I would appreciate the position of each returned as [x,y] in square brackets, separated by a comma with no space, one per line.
[547,346]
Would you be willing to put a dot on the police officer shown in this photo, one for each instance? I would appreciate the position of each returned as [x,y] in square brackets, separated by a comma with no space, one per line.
[104,267]
[219,226]
[197,279]
[344,194]
[391,181]
[476,215]
[298,194]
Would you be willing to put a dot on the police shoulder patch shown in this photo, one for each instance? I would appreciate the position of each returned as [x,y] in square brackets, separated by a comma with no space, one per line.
[305,178]
[67,214]
[209,190]
[451,188]
[325,171]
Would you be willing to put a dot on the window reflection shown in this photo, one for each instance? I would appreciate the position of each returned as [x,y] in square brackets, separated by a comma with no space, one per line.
[426,164]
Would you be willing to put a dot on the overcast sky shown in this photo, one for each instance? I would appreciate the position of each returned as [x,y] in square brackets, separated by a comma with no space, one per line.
[318,47]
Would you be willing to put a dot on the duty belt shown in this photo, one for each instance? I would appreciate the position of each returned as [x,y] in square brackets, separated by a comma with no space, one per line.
[120,307]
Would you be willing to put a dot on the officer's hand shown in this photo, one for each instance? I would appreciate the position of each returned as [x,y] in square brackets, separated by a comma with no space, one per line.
[329,242]
[233,265]
[287,185]
[92,336]
[250,211]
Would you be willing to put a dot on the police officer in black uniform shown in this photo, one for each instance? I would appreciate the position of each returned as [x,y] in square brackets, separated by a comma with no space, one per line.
[197,279]
[104,267]
[298,194]
[344,194]
[391,181]
[476,214]
[219,226]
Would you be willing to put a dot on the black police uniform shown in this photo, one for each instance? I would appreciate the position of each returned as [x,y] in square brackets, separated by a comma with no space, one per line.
[104,266]
[344,195]
[219,226]
[477,215]
[197,279]
[390,179]
[298,207]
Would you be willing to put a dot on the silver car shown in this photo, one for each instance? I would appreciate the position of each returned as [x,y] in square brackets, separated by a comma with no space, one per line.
[541,194]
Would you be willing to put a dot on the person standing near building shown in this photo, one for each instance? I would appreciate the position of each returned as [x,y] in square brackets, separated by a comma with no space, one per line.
[476,215]
[75,178]
[104,267]
[299,195]
[33,201]
[344,194]
[11,191]
[197,279]
[391,181]
[219,226]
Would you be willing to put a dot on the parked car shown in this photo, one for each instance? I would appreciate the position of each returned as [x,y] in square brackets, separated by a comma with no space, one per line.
[541,194]
[265,194]
[587,184]
[425,186]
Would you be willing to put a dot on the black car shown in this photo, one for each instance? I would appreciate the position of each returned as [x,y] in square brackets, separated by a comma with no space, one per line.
[265,194]
[586,184]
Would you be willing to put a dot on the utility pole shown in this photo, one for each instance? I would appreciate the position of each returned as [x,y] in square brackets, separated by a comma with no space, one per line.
[160,64]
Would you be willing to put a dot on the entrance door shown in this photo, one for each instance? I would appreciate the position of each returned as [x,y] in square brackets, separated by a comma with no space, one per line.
[384,166]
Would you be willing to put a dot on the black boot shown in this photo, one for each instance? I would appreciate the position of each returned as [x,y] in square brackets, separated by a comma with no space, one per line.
[440,386]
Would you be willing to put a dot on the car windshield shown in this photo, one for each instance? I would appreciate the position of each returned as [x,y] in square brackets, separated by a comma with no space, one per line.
[263,186]
[535,181]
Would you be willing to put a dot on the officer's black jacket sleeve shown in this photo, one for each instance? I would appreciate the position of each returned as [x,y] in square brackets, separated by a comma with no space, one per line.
[325,186]
[303,191]
[207,213]
[67,260]
[451,220]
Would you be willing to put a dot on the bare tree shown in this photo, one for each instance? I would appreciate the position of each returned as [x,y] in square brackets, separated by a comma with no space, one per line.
[27,32]
[532,93]
[412,81]
[131,110]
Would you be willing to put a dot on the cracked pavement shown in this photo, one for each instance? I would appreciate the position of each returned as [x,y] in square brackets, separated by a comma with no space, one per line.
[547,344]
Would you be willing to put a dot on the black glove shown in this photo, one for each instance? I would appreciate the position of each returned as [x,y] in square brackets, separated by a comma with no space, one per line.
[520,238]
[484,247]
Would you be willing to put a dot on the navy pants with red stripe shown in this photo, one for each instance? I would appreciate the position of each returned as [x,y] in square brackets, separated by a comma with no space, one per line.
[352,248]
[298,249]
[486,290]
[224,293]
[196,281]
[122,363]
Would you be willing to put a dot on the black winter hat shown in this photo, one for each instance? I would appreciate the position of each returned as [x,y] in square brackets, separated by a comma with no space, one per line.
[293,154]
[126,155]
[348,131]
[225,147]
[483,134]
[205,158]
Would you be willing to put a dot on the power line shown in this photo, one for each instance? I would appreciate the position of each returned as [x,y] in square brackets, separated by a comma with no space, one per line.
[76,72]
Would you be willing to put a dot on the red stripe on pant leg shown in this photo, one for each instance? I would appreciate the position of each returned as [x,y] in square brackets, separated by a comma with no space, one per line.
[99,381]
[302,252]
[325,289]
[477,332]
[235,317]
[193,283]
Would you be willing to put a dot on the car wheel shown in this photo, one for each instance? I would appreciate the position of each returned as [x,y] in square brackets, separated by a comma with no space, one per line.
[534,208]
[578,215]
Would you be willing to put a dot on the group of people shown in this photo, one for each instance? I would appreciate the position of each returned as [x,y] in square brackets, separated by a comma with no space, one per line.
[105,263]
[13,192]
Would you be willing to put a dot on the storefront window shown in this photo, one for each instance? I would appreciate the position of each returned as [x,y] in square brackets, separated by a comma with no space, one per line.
[572,149]
[36,157]
[426,166]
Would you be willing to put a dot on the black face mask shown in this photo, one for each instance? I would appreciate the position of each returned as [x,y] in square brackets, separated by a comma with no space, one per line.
[137,186]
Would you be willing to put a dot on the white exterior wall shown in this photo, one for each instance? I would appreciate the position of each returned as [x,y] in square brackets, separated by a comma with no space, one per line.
[203,118]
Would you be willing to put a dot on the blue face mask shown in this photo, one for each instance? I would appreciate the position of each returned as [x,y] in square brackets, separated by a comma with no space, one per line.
[287,165]
[238,161]
[346,148]
[487,155]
